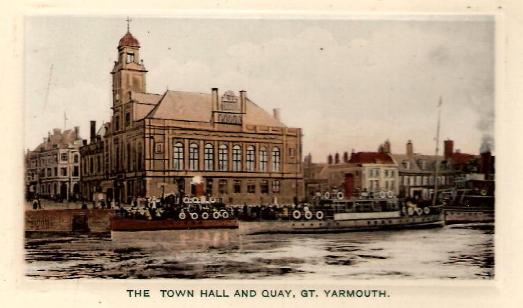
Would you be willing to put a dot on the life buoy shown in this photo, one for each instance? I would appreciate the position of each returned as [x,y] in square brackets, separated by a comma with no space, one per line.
[340,195]
[426,210]
[216,215]
[483,192]
[382,195]
[419,211]
[308,215]
[186,200]
[194,216]
[205,215]
[212,200]
[390,194]
[182,216]
[319,215]
[410,211]
[195,200]
[296,214]
[326,195]
[225,215]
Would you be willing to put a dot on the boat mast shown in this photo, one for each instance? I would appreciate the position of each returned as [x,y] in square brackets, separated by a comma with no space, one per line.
[436,169]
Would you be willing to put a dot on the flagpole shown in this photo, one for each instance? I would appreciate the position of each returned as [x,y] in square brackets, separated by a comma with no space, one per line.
[437,153]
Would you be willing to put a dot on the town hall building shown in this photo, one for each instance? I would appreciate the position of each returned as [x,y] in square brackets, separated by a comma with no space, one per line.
[219,144]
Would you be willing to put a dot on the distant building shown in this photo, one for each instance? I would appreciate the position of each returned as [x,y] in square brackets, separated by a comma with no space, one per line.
[53,167]
[417,173]
[219,144]
[369,172]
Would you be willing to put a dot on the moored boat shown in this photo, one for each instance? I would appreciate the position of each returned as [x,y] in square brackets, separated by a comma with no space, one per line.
[473,202]
[191,214]
[355,214]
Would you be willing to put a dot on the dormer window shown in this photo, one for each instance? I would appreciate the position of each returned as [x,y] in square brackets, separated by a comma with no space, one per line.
[130,57]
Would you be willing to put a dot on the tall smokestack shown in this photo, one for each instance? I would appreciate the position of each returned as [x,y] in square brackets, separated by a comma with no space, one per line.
[92,132]
[77,132]
[448,148]
[337,158]
[329,159]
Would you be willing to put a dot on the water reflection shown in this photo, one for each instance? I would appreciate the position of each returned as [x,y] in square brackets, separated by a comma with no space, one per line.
[462,252]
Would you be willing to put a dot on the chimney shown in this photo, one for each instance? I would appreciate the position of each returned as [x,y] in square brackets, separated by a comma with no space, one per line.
[276,113]
[243,101]
[448,148]
[486,164]
[92,131]
[76,132]
[214,99]
[386,146]
[337,158]
[345,157]
[329,159]
[410,149]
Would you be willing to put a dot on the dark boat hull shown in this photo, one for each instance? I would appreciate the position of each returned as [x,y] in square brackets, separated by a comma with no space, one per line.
[127,224]
[459,215]
[335,226]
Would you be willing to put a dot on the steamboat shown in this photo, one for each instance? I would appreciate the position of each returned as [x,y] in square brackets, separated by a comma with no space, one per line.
[190,213]
[472,202]
[340,214]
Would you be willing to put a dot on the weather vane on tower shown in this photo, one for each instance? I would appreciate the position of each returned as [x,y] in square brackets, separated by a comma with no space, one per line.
[128,22]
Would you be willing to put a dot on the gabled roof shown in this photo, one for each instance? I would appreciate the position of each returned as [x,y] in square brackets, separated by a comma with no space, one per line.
[145,102]
[197,107]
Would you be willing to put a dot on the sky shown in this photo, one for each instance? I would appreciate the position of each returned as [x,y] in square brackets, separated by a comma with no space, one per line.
[350,83]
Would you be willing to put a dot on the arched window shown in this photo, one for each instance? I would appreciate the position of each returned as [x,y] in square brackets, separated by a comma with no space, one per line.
[275,159]
[193,156]
[208,157]
[263,160]
[178,156]
[236,158]
[222,158]
[249,165]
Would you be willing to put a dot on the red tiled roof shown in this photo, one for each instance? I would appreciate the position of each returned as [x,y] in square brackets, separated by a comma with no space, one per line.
[128,40]
[461,158]
[370,158]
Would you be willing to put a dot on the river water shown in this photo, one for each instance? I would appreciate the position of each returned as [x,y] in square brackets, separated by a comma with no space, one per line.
[451,252]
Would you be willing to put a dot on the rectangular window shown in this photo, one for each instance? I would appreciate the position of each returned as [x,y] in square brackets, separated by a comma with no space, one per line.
[237,186]
[63,157]
[276,186]
[63,171]
[75,171]
[222,186]
[116,123]
[251,187]
[208,186]
[264,187]
[127,119]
